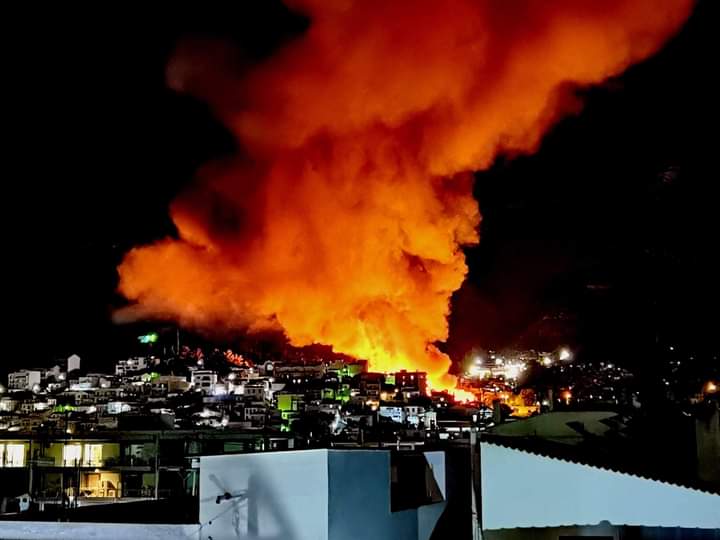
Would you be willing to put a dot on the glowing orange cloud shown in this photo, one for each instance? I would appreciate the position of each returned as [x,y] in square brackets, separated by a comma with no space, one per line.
[343,216]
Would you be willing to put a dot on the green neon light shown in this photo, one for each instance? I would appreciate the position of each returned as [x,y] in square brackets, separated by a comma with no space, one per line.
[148,338]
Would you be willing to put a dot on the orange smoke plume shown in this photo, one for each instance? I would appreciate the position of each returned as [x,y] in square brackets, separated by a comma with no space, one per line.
[343,217]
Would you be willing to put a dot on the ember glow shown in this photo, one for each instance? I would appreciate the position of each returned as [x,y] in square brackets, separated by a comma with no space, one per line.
[343,217]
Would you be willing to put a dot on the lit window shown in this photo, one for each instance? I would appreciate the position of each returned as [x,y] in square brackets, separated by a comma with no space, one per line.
[92,457]
[12,455]
[71,454]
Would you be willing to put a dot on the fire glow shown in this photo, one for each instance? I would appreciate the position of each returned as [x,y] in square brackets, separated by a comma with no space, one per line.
[343,216]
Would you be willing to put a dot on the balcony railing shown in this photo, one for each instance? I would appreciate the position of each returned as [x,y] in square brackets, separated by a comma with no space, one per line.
[112,493]
[128,461]
[45,461]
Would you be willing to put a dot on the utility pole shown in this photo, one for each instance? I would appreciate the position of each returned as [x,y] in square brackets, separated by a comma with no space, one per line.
[76,489]
[30,475]
[157,465]
[62,459]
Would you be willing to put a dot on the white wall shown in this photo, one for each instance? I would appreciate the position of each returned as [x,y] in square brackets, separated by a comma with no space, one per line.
[359,495]
[520,489]
[428,516]
[310,495]
[286,496]
[37,530]
[73,362]
[360,498]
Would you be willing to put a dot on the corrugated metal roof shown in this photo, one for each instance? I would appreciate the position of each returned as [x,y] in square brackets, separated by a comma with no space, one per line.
[525,488]
[583,455]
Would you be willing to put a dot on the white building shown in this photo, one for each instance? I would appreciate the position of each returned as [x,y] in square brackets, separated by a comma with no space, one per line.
[414,414]
[171,383]
[255,413]
[107,394]
[204,380]
[255,390]
[131,365]
[86,383]
[27,406]
[73,363]
[24,379]
[52,373]
[118,407]
[8,404]
[80,397]
[393,412]
[430,419]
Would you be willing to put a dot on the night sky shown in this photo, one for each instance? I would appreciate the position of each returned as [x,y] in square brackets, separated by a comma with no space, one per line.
[605,239]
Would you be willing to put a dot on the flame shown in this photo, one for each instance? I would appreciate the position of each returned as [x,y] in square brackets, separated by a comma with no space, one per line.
[234,358]
[463,396]
[343,217]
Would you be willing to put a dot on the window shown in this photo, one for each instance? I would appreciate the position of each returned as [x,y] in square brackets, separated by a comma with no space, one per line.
[12,455]
[92,456]
[71,455]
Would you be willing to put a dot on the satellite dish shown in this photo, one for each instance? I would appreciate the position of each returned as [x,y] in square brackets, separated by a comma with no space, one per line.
[224,494]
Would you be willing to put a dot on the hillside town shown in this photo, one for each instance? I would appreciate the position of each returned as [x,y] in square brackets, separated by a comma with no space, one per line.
[77,441]
[311,396]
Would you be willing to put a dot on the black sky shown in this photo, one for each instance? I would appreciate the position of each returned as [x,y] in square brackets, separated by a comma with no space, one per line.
[605,239]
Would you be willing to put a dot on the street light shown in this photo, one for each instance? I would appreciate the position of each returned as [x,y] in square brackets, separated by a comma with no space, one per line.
[513,371]
[565,354]
[475,371]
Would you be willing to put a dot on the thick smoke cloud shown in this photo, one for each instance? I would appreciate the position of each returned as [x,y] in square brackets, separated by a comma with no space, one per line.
[343,216]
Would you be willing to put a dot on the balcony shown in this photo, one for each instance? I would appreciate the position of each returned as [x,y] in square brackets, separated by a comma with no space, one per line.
[129,462]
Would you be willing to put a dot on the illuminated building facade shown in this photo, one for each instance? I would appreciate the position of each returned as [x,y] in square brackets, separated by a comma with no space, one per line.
[411,382]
